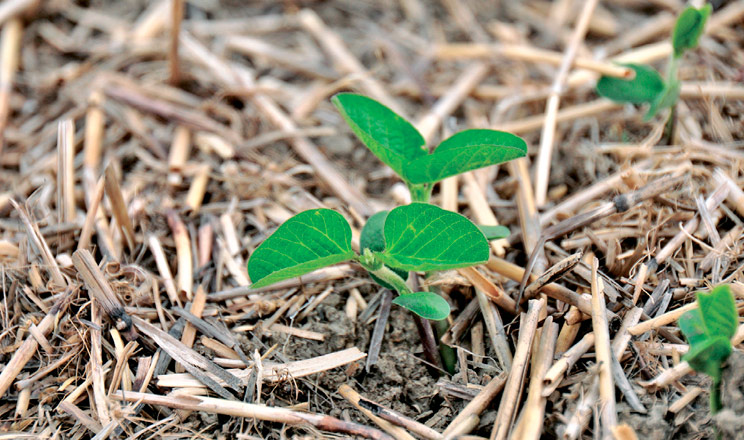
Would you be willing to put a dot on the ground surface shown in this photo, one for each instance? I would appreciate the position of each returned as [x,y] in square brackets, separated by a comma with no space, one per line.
[207,153]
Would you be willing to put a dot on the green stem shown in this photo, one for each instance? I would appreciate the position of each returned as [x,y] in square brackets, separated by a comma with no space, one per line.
[449,357]
[385,274]
[420,192]
[672,69]
[715,397]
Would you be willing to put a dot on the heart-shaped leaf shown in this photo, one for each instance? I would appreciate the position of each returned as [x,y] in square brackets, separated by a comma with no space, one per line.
[427,305]
[718,311]
[308,241]
[390,137]
[709,330]
[645,87]
[465,151]
[688,28]
[708,356]
[425,237]
[494,232]
[372,238]
[693,327]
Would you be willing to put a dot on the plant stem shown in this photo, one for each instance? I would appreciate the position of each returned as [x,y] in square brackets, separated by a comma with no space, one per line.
[449,357]
[429,342]
[672,72]
[715,397]
[385,274]
[672,69]
[422,193]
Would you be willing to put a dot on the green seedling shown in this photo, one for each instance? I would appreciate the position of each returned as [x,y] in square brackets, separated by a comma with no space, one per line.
[648,87]
[398,144]
[415,237]
[709,329]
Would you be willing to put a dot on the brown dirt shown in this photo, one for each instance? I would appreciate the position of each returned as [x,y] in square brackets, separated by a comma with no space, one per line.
[730,420]
[71,51]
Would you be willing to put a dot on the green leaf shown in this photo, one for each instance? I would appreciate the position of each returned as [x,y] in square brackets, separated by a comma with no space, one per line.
[427,305]
[693,327]
[426,237]
[709,330]
[494,232]
[688,28]
[718,311]
[708,356]
[645,87]
[667,98]
[390,137]
[465,151]
[371,238]
[308,241]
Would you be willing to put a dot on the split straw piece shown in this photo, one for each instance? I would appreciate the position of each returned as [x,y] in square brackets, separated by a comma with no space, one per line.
[99,287]
[602,348]
[189,331]
[66,171]
[478,404]
[113,191]
[547,137]
[96,358]
[493,292]
[177,7]
[162,264]
[183,253]
[252,411]
[26,351]
[531,424]
[9,55]
[354,398]
[512,390]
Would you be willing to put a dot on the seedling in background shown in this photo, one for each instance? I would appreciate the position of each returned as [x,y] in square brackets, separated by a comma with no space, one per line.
[709,330]
[415,237]
[648,87]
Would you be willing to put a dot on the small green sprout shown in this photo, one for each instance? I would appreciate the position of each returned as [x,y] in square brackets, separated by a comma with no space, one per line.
[398,144]
[415,237]
[648,86]
[709,329]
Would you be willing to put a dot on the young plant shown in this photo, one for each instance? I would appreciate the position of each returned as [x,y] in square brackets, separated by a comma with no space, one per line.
[709,330]
[648,86]
[398,144]
[415,237]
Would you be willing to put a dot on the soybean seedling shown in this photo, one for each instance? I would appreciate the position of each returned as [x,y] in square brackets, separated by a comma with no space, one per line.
[416,237]
[648,87]
[709,329]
